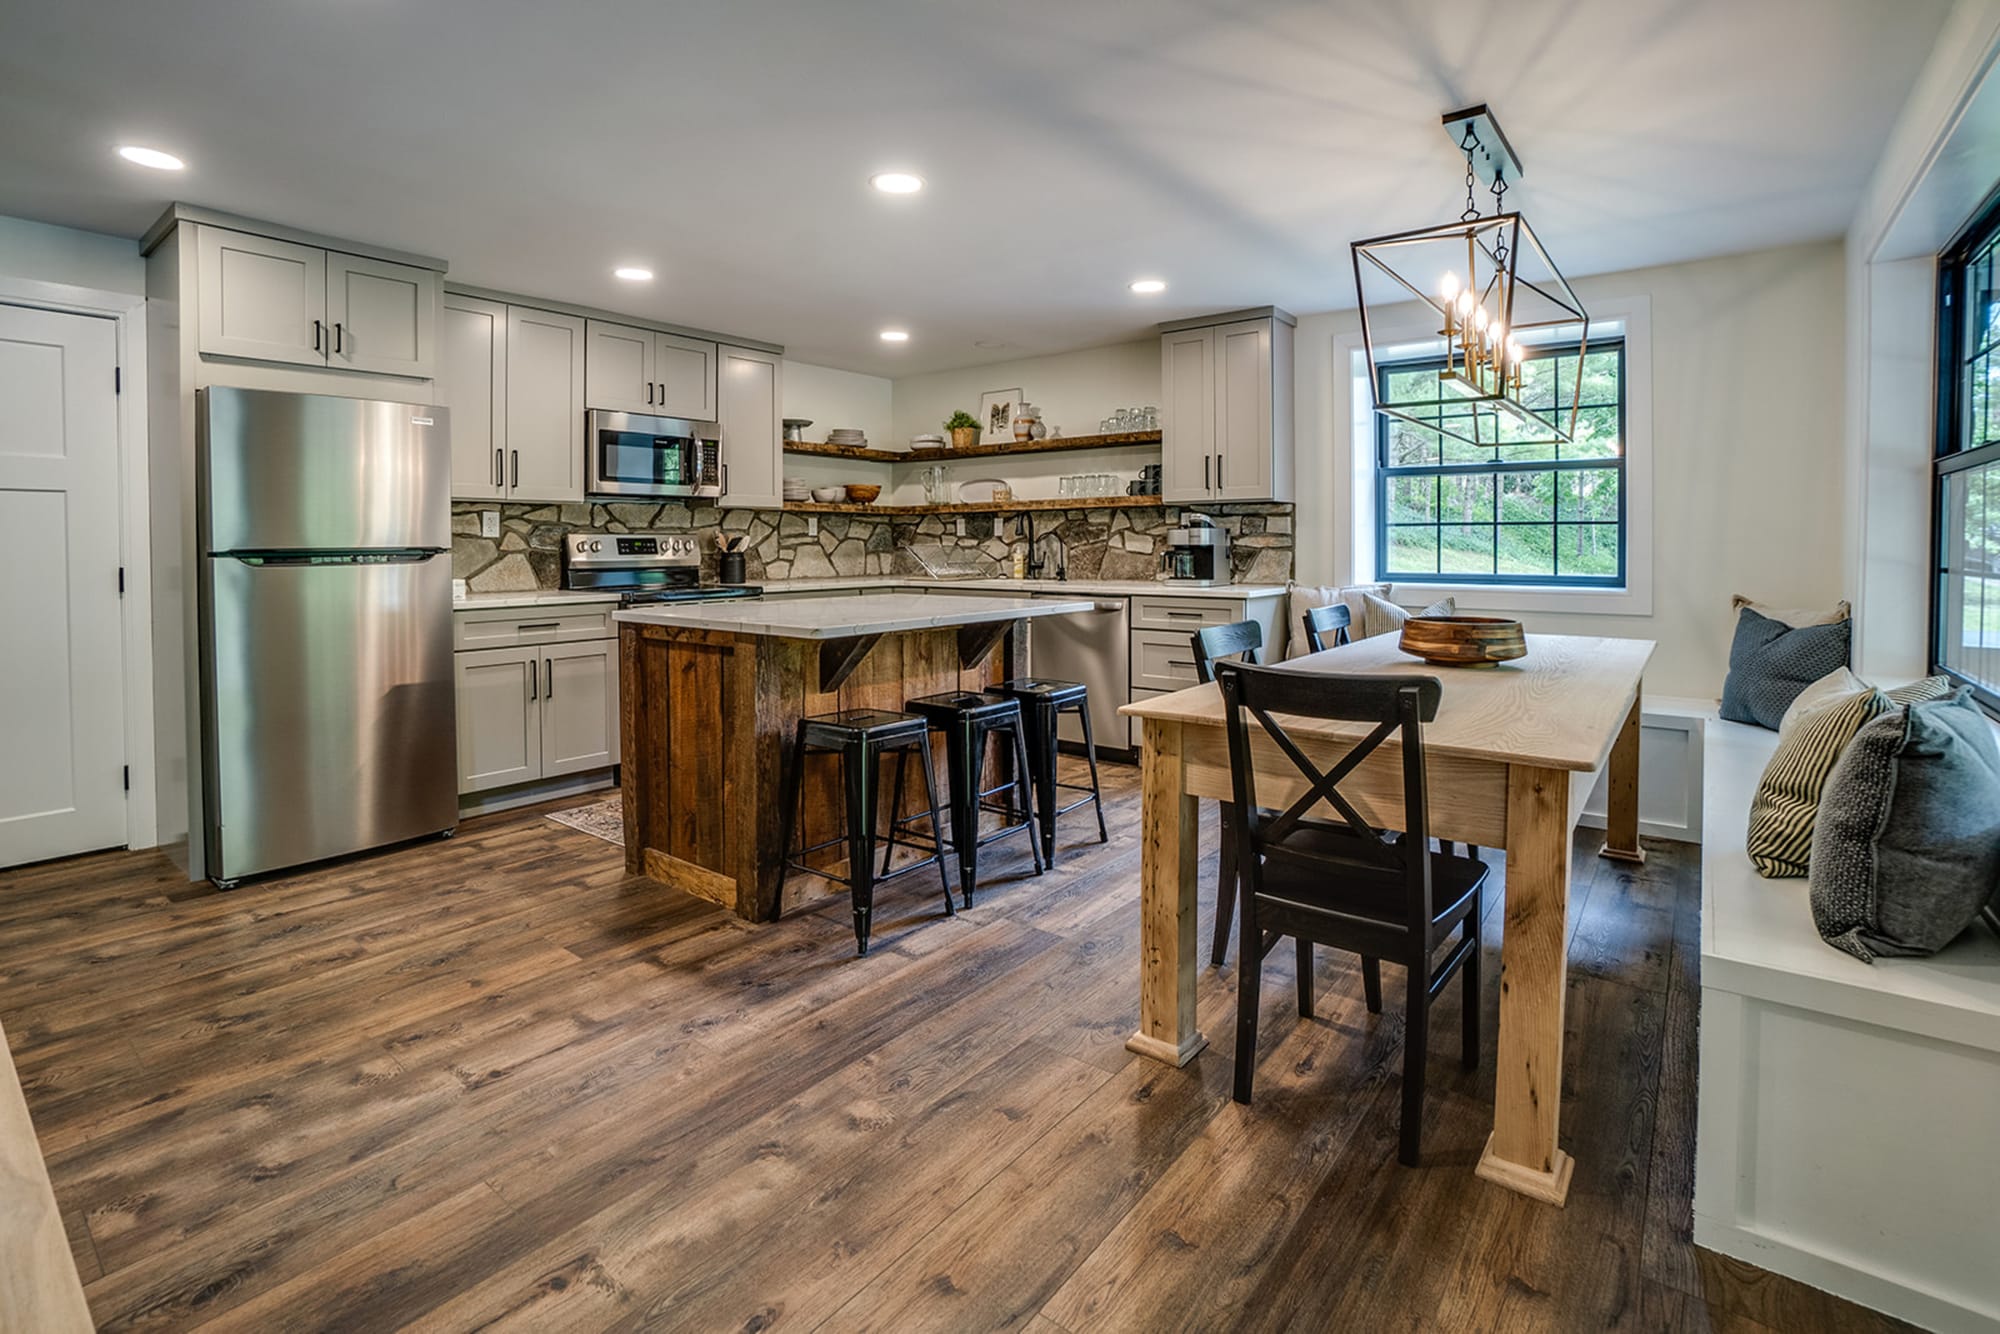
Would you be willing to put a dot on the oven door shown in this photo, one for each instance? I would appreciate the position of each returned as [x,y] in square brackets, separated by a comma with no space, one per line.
[635,455]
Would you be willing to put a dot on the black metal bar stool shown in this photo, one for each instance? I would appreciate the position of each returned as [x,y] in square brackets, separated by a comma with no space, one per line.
[1043,702]
[967,718]
[861,737]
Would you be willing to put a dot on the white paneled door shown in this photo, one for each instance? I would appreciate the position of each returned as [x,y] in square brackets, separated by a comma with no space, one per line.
[62,715]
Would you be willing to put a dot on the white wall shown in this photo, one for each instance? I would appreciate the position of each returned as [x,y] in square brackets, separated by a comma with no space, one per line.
[1074,390]
[831,398]
[64,255]
[1746,428]
[1942,159]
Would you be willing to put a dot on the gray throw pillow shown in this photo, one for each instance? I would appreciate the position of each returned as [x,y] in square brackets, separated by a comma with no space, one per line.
[1906,849]
[1771,663]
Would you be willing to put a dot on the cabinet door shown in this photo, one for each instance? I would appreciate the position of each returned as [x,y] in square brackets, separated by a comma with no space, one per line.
[499,717]
[383,316]
[472,383]
[753,449]
[261,298]
[545,361]
[618,369]
[1243,438]
[579,706]
[1187,426]
[685,368]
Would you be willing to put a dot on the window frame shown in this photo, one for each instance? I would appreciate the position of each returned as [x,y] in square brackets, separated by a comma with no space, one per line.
[1385,473]
[1948,454]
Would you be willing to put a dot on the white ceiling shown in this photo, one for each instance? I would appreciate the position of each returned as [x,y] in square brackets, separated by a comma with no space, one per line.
[1233,148]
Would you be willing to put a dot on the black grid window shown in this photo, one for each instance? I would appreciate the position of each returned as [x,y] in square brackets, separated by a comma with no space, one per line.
[1965,527]
[1451,512]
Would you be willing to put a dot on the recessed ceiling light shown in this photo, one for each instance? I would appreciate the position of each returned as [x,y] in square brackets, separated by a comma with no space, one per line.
[633,274]
[895,335]
[896,182]
[1149,286]
[150,157]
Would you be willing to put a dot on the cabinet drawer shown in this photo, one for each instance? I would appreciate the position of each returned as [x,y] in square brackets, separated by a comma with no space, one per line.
[1162,660]
[1189,614]
[505,627]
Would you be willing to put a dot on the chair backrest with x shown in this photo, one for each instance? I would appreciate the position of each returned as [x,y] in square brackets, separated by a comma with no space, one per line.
[1395,705]
[1215,642]
[1326,627]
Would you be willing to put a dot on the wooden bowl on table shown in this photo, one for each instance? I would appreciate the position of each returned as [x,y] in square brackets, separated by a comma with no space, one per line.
[1463,641]
[862,493]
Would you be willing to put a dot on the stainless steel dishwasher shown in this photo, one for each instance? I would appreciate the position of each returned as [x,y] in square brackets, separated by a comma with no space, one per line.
[1093,647]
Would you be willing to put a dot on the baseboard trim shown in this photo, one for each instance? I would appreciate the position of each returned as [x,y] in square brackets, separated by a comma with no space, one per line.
[527,794]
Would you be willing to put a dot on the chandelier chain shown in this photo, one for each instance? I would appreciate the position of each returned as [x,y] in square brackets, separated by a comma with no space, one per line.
[1470,144]
[1499,207]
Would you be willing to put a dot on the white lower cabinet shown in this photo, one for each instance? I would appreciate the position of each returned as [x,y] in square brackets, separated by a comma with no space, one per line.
[531,711]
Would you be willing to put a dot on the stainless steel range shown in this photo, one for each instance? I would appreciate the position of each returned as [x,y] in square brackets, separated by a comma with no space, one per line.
[642,568]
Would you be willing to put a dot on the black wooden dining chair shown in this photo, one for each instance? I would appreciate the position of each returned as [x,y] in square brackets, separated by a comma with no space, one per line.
[1213,644]
[1349,884]
[1326,627]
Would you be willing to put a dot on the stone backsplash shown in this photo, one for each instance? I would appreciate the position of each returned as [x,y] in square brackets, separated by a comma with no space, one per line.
[1102,543]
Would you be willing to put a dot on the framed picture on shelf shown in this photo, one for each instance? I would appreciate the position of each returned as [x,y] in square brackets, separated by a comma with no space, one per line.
[996,416]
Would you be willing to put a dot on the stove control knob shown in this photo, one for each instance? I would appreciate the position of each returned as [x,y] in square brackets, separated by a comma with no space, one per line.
[596,545]
[683,544]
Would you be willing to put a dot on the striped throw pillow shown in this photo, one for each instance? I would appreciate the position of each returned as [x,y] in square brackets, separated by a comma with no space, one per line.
[1787,801]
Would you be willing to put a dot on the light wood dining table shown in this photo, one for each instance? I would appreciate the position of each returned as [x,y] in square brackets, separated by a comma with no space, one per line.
[1512,757]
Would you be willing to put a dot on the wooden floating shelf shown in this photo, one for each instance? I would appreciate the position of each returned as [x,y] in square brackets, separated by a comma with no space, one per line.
[1053,445]
[977,507]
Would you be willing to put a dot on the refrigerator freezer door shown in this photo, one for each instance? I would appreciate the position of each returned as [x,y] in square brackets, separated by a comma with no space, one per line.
[330,724]
[284,472]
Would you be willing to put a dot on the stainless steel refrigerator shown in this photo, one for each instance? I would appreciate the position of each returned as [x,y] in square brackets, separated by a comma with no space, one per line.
[328,723]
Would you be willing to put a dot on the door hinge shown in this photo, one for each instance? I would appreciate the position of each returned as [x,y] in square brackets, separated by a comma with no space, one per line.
[117,379]
[121,581]
[128,778]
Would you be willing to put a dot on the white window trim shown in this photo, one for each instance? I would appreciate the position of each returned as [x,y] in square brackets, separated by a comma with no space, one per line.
[1406,332]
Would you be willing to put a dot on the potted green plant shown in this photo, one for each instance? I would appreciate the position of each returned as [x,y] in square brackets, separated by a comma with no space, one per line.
[964,428]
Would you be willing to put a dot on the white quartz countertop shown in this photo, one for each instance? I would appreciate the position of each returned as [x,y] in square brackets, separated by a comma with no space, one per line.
[840,618]
[544,597]
[1121,588]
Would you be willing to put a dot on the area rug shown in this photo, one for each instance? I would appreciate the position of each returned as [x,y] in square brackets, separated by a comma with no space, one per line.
[601,819]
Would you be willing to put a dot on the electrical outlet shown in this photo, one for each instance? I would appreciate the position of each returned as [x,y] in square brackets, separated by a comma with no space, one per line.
[489,523]
[958,525]
[812,525]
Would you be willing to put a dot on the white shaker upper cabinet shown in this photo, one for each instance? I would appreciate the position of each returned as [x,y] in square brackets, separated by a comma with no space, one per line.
[618,369]
[261,298]
[383,316]
[751,398]
[1187,441]
[686,370]
[545,370]
[1228,400]
[472,383]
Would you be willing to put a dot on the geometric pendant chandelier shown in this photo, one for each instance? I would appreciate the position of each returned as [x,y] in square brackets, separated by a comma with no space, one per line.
[1498,302]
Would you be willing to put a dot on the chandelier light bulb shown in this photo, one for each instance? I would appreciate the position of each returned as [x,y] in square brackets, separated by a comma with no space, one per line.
[1450,287]
[1465,304]
[1480,319]
[1514,350]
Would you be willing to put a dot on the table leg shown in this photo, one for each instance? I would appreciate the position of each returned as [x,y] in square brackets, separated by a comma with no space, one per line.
[1522,1153]
[1621,811]
[1169,844]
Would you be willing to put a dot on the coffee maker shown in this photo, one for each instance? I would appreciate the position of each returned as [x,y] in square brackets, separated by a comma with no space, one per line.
[1197,552]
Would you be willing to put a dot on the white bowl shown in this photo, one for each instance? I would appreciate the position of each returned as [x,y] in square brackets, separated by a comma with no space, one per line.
[829,495]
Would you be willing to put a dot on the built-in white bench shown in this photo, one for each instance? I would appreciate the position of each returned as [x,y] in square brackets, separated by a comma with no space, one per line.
[1849,1112]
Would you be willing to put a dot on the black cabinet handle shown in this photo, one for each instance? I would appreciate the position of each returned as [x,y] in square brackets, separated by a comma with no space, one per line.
[338,340]
[517,467]
[649,392]
[548,665]
[499,468]
[534,681]
[1204,472]
[1218,472]
[315,335]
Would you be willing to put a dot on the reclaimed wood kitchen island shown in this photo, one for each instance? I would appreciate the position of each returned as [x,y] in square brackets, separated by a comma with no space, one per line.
[711,695]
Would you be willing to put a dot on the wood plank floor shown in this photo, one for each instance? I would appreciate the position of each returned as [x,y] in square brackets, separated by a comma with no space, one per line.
[492,1082]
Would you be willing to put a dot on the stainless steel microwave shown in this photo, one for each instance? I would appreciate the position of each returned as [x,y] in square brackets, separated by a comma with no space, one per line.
[630,454]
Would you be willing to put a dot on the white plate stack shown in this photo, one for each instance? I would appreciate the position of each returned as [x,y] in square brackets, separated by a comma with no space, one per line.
[931,441]
[848,437]
[797,489]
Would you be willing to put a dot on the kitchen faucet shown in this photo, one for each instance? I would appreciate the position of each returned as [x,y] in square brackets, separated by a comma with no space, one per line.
[1024,525]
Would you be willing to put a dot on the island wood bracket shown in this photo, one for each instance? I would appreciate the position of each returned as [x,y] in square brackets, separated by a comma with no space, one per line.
[976,641]
[839,657]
